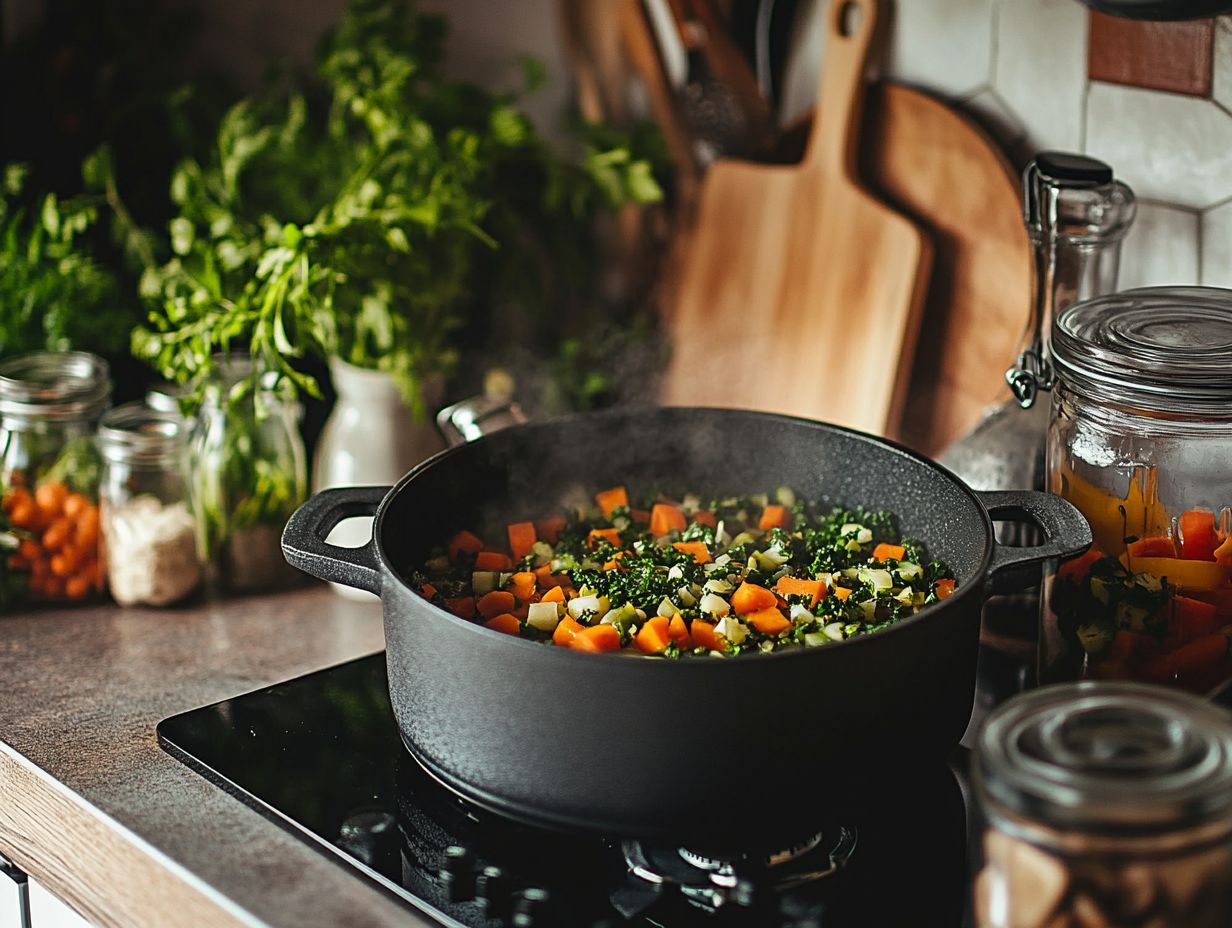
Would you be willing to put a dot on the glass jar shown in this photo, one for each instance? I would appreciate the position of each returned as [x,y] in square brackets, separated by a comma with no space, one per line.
[49,466]
[248,475]
[1140,441]
[1104,804]
[149,538]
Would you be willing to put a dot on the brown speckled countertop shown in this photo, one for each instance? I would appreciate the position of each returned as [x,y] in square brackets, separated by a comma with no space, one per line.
[92,807]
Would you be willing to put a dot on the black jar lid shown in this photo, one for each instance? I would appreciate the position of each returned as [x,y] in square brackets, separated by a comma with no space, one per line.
[1168,348]
[1108,759]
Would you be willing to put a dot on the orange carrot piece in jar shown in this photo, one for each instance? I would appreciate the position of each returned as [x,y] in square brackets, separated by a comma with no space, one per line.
[1152,546]
[1199,539]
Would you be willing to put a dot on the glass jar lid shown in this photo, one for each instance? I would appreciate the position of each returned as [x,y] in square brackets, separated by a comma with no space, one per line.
[1108,759]
[1166,347]
[137,433]
[54,385]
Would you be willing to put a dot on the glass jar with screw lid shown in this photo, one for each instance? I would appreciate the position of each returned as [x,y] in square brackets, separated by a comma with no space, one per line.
[149,536]
[1105,804]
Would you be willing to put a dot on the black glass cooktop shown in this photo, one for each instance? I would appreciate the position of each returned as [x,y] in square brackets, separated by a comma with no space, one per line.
[321,756]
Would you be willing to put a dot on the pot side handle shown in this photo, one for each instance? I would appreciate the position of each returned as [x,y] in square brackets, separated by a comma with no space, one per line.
[304,545]
[1066,534]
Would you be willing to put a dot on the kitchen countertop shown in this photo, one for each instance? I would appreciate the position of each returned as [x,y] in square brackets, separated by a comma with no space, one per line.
[94,809]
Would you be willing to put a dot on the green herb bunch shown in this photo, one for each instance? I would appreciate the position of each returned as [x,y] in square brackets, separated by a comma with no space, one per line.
[54,293]
[351,218]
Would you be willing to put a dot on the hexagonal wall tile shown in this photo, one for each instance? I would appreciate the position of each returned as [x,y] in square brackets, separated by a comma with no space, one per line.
[1041,68]
[943,45]
[1161,248]
[1168,147]
[1217,246]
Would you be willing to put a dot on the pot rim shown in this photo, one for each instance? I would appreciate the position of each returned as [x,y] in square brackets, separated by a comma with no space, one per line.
[974,587]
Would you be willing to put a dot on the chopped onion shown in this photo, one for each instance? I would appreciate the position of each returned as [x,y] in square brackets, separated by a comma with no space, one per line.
[731,628]
[543,616]
[714,605]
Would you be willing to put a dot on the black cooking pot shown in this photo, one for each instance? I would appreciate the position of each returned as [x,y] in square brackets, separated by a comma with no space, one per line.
[699,748]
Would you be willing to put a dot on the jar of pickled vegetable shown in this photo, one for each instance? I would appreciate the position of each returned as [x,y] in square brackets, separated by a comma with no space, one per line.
[1104,804]
[49,469]
[149,539]
[1140,441]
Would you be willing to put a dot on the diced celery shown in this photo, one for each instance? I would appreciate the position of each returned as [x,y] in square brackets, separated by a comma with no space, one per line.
[834,631]
[686,597]
[543,616]
[909,571]
[877,578]
[732,629]
[484,581]
[816,639]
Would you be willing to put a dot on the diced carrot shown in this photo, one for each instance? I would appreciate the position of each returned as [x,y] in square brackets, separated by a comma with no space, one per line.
[50,497]
[522,538]
[611,500]
[599,536]
[884,552]
[546,579]
[944,588]
[750,597]
[1198,536]
[1223,554]
[596,638]
[704,636]
[567,629]
[640,516]
[768,621]
[679,632]
[774,517]
[1152,546]
[1191,619]
[549,529]
[493,560]
[522,585]
[812,590]
[614,563]
[653,636]
[506,623]
[665,517]
[705,517]
[701,554]
[1188,658]
[494,603]
[463,607]
[842,592]
[555,595]
[427,591]
[464,541]
[1077,569]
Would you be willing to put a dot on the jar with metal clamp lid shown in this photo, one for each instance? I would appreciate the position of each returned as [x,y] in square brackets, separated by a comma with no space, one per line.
[50,402]
[1104,804]
[1141,442]
[149,537]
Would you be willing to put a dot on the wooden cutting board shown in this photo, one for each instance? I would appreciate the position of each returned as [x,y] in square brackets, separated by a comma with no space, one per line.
[943,171]
[799,292]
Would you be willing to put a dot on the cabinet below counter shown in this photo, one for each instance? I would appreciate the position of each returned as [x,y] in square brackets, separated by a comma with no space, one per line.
[102,818]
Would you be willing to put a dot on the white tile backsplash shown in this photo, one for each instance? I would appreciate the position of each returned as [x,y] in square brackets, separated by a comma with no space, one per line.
[1217,246]
[1167,146]
[1041,68]
[944,45]
[1161,247]
[995,115]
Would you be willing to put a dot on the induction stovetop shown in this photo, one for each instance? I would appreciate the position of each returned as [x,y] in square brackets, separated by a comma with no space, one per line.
[321,756]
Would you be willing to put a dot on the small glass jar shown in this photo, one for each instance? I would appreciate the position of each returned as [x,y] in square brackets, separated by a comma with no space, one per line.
[149,537]
[1141,442]
[248,476]
[1104,804]
[49,467]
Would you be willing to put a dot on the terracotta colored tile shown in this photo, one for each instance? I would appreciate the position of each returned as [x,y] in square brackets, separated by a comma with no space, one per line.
[1172,56]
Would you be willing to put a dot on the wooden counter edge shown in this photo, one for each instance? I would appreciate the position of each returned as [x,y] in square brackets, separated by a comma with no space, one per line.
[110,876]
